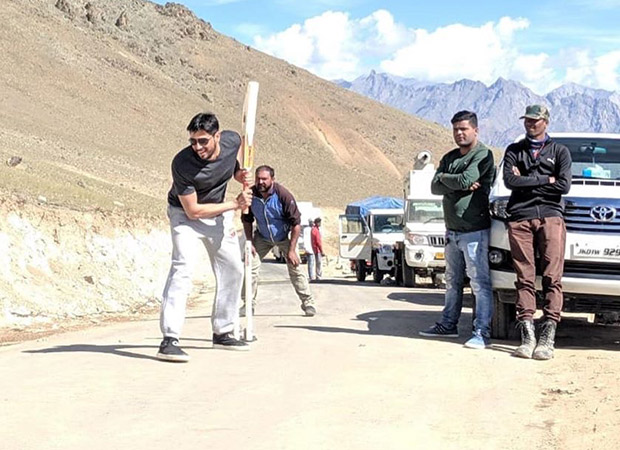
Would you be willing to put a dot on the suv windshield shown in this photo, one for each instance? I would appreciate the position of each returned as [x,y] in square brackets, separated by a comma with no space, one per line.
[593,158]
[424,211]
[387,223]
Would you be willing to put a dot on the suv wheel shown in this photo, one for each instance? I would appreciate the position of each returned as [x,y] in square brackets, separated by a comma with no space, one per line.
[504,319]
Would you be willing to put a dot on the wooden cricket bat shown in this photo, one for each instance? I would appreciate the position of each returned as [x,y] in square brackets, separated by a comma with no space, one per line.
[248,125]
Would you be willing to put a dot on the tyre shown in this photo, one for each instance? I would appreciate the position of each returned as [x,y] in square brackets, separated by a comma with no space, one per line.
[360,270]
[408,272]
[398,271]
[504,319]
[377,275]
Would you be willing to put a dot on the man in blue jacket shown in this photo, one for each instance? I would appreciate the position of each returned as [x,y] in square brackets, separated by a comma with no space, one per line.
[278,224]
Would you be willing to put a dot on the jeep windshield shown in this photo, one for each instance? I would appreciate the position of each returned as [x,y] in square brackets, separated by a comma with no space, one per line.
[593,157]
[424,211]
[387,223]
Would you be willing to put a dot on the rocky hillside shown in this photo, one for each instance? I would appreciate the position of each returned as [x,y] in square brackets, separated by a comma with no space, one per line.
[95,98]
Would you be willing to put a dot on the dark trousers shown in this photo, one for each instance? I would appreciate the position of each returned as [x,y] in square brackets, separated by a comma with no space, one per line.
[546,238]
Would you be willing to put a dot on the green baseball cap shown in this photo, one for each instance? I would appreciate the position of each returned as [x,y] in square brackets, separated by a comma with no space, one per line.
[536,112]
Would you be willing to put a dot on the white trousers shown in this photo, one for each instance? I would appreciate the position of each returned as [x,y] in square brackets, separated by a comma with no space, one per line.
[220,239]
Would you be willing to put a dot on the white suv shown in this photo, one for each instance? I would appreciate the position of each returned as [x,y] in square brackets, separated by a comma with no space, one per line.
[591,280]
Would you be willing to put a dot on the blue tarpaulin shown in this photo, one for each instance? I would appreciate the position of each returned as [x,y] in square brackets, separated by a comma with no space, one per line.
[361,207]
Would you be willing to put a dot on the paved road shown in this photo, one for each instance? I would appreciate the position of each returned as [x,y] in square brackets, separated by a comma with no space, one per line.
[356,376]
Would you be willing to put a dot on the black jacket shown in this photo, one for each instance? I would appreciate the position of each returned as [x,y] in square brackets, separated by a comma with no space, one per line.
[532,195]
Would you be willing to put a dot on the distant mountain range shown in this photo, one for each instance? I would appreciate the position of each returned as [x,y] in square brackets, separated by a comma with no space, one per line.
[499,106]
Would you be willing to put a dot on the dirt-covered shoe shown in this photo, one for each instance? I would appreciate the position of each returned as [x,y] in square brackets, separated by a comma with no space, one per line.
[169,350]
[309,310]
[544,349]
[227,341]
[528,340]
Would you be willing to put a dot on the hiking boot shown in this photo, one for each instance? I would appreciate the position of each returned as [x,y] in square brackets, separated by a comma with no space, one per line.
[227,341]
[169,350]
[438,330]
[528,339]
[310,310]
[544,349]
[478,341]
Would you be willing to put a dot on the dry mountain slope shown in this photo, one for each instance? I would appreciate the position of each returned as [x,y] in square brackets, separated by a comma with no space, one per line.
[87,99]
[95,97]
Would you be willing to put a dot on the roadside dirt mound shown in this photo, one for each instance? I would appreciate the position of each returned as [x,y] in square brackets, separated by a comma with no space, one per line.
[58,264]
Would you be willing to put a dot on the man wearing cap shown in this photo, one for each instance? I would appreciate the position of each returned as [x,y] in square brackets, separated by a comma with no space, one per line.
[538,171]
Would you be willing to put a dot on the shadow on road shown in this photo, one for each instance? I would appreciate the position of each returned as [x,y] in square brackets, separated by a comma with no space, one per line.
[424,297]
[124,350]
[573,333]
[395,323]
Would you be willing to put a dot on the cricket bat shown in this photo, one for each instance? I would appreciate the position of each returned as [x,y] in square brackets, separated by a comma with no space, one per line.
[248,125]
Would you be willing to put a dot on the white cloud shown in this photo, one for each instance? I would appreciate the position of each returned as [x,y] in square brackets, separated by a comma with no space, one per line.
[333,45]
[383,35]
[598,72]
[458,51]
[324,44]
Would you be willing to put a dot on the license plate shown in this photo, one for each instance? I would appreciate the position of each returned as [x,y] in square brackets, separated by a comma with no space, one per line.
[439,255]
[584,251]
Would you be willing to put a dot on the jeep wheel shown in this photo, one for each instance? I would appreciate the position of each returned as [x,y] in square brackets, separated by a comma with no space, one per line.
[360,270]
[504,318]
[408,272]
[377,275]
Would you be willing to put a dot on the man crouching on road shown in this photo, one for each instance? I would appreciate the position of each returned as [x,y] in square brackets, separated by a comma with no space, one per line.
[276,214]
[199,214]
[538,171]
[464,178]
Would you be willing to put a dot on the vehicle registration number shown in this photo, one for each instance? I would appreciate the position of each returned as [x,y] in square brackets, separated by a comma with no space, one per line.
[585,251]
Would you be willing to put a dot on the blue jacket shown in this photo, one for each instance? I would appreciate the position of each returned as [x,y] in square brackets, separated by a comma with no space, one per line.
[274,215]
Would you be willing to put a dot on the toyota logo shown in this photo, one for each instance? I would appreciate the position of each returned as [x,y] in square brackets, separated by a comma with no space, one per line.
[603,213]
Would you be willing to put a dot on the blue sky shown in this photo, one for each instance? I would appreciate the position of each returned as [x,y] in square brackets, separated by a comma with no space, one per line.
[541,44]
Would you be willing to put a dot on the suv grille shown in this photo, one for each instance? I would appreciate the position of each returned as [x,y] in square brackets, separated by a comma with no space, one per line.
[437,241]
[577,215]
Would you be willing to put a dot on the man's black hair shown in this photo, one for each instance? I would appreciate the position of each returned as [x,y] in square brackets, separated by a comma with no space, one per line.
[204,121]
[470,116]
[265,168]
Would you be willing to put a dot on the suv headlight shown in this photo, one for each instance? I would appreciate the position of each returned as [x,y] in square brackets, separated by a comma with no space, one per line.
[417,239]
[498,209]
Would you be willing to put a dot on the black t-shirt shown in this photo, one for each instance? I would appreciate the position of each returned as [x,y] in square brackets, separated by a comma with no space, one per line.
[207,178]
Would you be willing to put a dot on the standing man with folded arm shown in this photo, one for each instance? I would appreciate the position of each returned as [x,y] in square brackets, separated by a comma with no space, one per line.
[538,171]
[464,178]
[199,214]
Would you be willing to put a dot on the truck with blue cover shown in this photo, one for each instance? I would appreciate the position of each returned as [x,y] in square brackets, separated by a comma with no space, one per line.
[369,228]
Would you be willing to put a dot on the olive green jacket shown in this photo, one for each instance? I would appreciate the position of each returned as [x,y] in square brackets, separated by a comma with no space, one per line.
[465,210]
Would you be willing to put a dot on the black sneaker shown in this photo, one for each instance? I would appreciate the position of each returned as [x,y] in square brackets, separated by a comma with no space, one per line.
[438,330]
[227,341]
[310,310]
[169,350]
